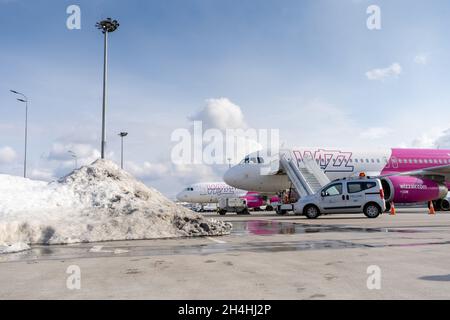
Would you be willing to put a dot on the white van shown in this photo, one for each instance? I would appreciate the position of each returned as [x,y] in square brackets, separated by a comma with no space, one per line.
[362,195]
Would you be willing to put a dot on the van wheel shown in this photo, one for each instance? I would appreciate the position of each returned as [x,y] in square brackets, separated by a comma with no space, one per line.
[312,212]
[445,205]
[222,212]
[372,211]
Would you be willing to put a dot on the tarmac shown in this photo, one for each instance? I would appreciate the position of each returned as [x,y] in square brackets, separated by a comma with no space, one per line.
[406,256]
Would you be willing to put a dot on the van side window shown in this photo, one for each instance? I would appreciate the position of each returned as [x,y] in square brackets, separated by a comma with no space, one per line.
[355,187]
[334,190]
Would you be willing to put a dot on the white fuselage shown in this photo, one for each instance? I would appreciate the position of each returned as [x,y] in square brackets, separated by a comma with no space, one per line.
[209,192]
[252,173]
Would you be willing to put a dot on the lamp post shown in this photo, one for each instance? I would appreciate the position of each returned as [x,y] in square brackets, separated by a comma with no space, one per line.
[106,26]
[74,156]
[24,100]
[122,135]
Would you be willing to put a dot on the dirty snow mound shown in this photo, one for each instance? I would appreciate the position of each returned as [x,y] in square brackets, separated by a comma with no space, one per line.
[99,202]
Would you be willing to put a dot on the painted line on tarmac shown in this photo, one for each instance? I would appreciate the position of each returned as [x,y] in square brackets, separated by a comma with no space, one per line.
[216,240]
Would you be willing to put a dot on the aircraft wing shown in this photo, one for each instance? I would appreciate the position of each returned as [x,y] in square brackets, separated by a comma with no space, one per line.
[439,171]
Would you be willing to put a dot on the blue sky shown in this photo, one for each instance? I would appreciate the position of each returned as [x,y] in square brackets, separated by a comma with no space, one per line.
[300,66]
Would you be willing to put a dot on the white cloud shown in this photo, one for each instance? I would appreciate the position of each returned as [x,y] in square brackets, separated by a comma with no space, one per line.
[148,171]
[220,114]
[435,138]
[393,70]
[375,133]
[7,155]
[424,141]
[421,59]
[85,153]
[443,142]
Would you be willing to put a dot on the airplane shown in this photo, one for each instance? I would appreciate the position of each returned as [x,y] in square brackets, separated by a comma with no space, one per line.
[407,175]
[211,192]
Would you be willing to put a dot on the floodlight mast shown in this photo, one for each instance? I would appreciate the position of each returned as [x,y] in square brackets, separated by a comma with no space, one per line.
[106,26]
[122,135]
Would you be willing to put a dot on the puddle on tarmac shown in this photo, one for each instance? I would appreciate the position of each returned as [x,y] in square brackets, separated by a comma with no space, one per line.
[267,228]
[62,252]
[260,228]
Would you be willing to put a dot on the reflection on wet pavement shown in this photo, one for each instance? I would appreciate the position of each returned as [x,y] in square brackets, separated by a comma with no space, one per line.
[240,229]
[66,252]
[268,227]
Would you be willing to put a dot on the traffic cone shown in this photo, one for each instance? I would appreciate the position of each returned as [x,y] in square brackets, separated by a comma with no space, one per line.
[392,209]
[432,211]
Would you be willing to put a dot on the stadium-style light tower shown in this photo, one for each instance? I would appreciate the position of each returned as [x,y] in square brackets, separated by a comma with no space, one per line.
[24,100]
[106,26]
[122,135]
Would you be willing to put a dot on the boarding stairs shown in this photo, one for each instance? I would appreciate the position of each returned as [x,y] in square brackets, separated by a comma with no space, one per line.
[306,175]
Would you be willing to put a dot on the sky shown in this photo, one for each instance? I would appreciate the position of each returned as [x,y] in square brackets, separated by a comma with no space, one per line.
[310,68]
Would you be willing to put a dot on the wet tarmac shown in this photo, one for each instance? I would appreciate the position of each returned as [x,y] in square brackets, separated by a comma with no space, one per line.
[265,257]
[241,229]
[272,227]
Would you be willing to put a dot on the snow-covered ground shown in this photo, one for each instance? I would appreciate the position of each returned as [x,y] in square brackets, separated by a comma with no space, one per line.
[99,202]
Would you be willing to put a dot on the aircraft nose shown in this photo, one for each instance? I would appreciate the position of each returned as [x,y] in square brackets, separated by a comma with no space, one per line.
[180,196]
[230,177]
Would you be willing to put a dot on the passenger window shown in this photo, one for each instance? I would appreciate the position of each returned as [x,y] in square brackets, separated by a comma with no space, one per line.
[260,160]
[369,185]
[355,187]
[333,190]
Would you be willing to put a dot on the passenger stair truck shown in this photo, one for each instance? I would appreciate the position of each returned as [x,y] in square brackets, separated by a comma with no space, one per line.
[305,175]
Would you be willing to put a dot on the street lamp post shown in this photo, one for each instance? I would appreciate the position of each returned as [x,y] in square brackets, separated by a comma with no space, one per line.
[24,100]
[122,135]
[106,26]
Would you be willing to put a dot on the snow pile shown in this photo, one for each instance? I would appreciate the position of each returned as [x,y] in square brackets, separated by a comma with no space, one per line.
[13,248]
[96,203]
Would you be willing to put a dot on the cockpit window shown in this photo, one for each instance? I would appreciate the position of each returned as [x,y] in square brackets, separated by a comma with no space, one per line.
[252,160]
[189,189]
